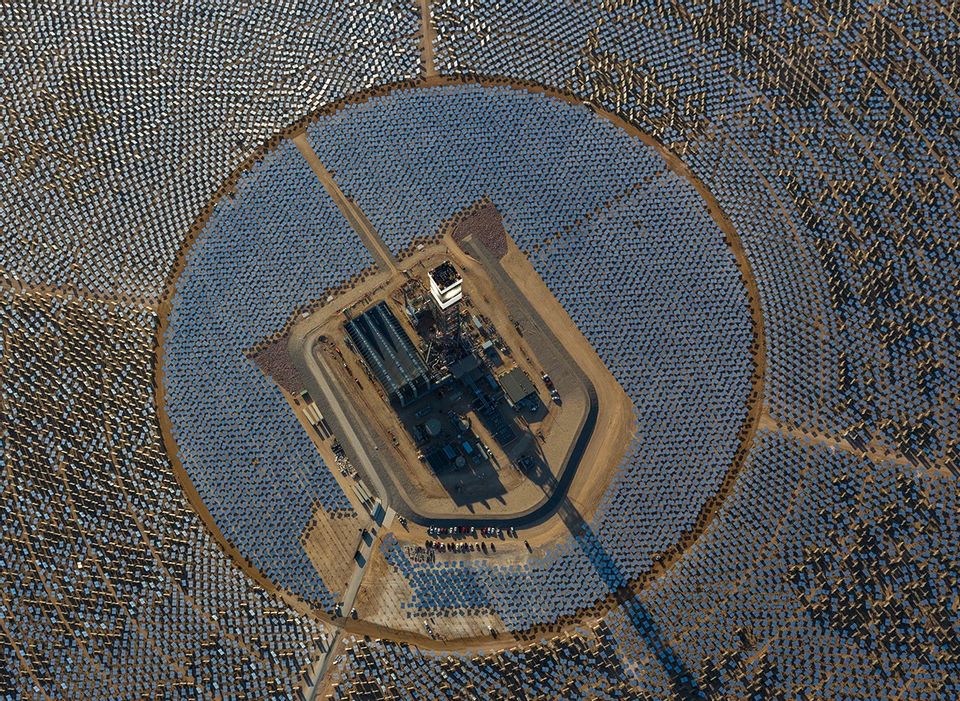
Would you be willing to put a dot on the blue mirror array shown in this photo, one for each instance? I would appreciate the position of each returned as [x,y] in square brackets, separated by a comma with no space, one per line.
[272,249]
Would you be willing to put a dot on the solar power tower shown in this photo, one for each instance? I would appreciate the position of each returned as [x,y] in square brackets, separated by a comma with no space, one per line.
[446,290]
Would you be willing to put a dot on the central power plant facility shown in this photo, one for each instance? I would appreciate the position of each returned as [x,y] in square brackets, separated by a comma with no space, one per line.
[440,382]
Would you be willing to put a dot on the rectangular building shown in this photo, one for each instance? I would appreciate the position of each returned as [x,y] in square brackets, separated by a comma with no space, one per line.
[516,385]
[391,355]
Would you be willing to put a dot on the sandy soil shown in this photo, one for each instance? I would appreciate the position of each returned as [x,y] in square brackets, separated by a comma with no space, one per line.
[379,601]
[329,543]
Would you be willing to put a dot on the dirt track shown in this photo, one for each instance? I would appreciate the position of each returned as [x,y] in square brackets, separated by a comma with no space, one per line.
[428,34]
[358,220]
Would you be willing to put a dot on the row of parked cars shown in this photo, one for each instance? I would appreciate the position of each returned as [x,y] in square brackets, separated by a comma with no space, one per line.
[459,531]
[554,394]
[443,547]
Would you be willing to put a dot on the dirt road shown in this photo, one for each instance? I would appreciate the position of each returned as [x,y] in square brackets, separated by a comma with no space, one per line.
[358,220]
[428,34]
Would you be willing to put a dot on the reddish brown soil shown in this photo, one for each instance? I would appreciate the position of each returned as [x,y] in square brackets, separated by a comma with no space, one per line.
[486,226]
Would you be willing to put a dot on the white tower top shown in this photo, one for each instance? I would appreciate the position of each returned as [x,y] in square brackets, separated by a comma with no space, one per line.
[446,285]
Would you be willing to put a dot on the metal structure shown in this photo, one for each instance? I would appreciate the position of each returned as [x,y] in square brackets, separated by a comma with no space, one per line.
[446,291]
[391,355]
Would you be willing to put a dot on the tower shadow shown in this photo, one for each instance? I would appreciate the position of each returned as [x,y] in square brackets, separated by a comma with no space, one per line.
[682,683]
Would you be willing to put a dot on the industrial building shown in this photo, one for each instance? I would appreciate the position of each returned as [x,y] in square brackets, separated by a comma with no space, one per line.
[390,354]
[516,386]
